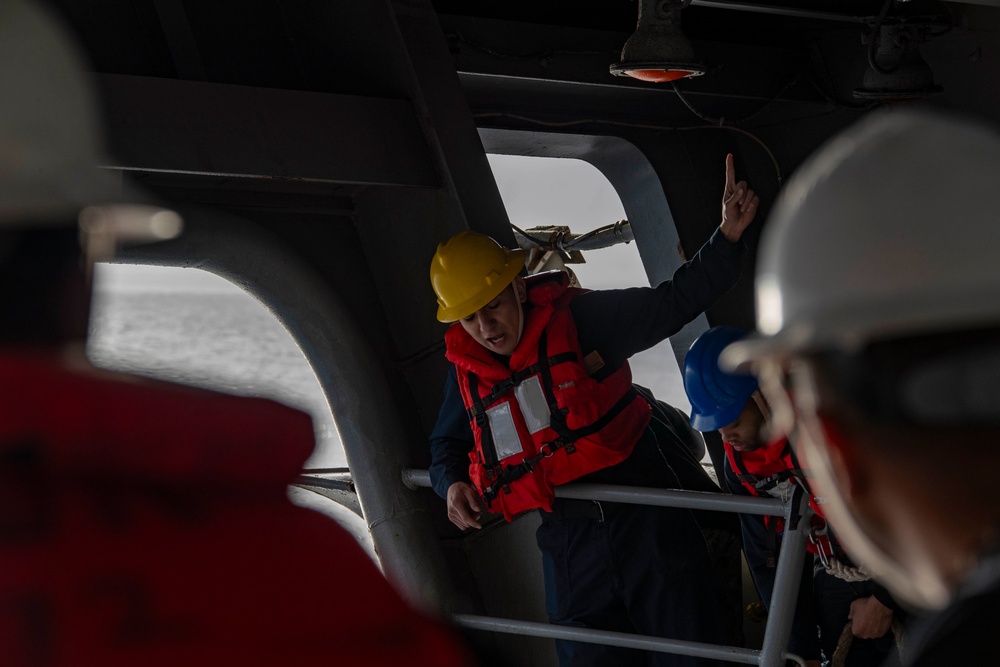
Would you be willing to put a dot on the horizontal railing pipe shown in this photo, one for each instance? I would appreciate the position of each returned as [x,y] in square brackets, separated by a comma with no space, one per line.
[609,638]
[640,495]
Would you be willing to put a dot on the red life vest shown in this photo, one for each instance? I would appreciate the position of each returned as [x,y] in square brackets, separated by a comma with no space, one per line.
[766,471]
[770,471]
[145,523]
[542,419]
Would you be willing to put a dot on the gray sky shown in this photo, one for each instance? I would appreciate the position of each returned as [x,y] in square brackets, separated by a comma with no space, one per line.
[553,191]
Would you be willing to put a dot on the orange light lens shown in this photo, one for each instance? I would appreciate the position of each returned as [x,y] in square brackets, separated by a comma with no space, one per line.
[661,75]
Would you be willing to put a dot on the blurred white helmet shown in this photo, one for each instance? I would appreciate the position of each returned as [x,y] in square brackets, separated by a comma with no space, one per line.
[51,137]
[890,230]
[881,248]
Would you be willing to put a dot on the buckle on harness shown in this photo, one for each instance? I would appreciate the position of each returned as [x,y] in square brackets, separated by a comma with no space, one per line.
[549,448]
[819,538]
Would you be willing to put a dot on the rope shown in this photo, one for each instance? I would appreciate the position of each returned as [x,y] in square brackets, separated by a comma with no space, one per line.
[839,658]
[836,568]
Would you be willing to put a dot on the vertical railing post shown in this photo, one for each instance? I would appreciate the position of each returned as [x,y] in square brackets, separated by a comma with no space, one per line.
[786,580]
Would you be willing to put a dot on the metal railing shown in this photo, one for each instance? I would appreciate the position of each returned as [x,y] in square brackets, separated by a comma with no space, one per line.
[778,630]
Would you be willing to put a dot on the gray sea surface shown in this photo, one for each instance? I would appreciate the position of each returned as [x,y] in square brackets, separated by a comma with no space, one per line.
[226,341]
[223,339]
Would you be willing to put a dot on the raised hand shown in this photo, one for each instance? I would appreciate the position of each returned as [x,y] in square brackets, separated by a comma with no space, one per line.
[739,204]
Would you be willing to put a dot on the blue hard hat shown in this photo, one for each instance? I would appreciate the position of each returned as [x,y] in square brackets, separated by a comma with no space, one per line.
[717,397]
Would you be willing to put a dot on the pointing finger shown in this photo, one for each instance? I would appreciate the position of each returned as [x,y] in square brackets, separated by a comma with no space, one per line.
[730,175]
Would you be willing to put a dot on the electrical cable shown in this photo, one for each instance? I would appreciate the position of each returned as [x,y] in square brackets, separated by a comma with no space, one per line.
[641,126]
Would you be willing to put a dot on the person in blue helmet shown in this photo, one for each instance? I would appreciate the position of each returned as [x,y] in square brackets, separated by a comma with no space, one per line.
[842,616]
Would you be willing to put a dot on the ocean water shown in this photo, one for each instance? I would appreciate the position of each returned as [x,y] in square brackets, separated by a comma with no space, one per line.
[222,340]
[206,333]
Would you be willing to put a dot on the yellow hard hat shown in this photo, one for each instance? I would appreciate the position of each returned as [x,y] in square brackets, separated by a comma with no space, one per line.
[468,271]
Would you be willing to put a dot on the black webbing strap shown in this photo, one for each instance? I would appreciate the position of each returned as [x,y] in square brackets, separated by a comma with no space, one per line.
[559,414]
[516,378]
[772,540]
[508,475]
[557,417]
[491,460]
[515,472]
[763,484]
[768,483]
[606,418]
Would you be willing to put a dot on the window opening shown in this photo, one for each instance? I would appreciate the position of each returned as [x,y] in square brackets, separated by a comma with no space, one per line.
[539,191]
[193,327]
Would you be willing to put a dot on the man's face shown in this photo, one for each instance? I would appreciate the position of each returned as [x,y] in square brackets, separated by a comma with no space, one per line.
[744,434]
[497,325]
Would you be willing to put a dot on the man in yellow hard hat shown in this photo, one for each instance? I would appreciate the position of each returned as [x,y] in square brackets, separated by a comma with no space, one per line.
[540,394]
[878,306]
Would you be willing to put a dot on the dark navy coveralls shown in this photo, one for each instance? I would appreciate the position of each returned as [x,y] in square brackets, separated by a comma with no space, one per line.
[628,568]
[824,601]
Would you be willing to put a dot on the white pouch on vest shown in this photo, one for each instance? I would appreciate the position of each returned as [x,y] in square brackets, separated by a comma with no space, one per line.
[534,407]
[782,490]
[505,438]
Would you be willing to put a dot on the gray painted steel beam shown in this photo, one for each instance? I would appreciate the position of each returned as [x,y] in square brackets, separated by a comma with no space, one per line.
[442,99]
[340,350]
[190,127]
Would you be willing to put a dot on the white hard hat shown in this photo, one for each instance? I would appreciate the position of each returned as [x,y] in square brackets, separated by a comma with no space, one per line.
[890,230]
[51,138]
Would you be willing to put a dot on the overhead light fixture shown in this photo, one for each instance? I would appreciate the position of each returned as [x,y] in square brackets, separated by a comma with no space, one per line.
[658,51]
[896,71]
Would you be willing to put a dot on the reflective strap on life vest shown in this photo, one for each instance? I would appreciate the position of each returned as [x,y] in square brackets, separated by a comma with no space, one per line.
[491,459]
[765,484]
[557,416]
[503,386]
[515,472]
